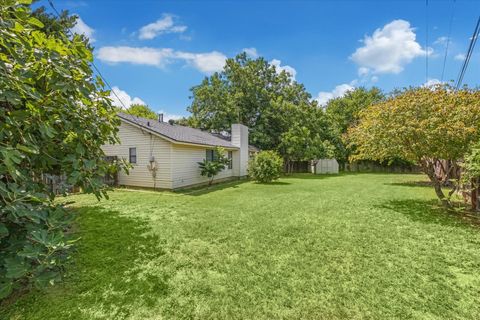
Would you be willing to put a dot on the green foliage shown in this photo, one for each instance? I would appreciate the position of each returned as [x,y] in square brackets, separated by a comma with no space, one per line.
[298,144]
[343,112]
[141,110]
[266,166]
[422,125]
[54,118]
[471,164]
[253,93]
[210,168]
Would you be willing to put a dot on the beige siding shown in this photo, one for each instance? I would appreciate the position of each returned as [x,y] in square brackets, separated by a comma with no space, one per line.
[147,145]
[185,169]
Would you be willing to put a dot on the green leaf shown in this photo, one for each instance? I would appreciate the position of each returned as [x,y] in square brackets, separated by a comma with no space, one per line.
[40,236]
[12,156]
[16,267]
[46,278]
[35,22]
[5,289]
[31,251]
[27,149]
[18,27]
[3,230]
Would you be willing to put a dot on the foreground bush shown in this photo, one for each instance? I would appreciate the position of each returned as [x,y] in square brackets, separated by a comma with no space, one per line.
[266,166]
[54,118]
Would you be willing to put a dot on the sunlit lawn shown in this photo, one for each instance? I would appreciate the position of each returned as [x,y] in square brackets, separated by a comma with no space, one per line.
[351,246]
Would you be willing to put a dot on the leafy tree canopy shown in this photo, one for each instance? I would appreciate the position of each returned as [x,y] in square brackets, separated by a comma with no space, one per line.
[422,125]
[54,118]
[141,110]
[343,112]
[254,93]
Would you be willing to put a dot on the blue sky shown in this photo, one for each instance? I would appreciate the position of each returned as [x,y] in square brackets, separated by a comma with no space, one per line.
[155,51]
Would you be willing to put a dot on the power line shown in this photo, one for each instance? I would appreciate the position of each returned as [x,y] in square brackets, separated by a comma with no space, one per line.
[50,2]
[473,41]
[426,41]
[448,40]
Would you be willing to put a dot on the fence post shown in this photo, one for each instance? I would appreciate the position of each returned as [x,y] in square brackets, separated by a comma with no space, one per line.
[474,195]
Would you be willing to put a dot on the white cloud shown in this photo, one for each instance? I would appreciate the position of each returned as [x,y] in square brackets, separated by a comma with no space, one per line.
[339,91]
[374,79]
[145,55]
[118,96]
[460,57]
[362,71]
[252,52]
[166,24]
[82,28]
[389,49]
[168,116]
[208,62]
[441,41]
[279,68]
[205,62]
[432,83]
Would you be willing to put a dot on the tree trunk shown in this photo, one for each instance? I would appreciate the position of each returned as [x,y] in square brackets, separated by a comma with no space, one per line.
[429,169]
[314,164]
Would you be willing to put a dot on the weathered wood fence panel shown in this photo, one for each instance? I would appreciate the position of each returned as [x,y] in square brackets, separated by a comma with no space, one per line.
[371,166]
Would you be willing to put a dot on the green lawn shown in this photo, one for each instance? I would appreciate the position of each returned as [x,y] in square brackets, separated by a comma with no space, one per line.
[307,247]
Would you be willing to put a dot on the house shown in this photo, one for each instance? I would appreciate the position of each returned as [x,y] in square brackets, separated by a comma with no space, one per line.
[166,156]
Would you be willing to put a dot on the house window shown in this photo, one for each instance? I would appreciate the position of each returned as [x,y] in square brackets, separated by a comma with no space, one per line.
[210,155]
[132,155]
[230,159]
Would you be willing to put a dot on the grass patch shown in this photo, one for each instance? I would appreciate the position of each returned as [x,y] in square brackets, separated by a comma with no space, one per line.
[310,247]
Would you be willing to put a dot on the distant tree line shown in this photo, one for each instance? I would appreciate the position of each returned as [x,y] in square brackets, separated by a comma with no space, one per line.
[419,126]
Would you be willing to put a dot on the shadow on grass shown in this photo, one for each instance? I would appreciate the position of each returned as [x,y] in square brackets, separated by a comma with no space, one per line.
[431,212]
[274,183]
[105,274]
[310,176]
[424,184]
[205,189]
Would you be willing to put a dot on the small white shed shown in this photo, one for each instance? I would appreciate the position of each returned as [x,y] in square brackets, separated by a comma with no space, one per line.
[323,166]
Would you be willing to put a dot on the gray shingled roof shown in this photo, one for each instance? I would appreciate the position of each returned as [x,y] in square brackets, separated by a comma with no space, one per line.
[179,133]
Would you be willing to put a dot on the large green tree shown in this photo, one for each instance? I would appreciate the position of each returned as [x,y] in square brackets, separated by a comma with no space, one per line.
[308,135]
[422,125]
[141,110]
[254,93]
[343,112]
[54,118]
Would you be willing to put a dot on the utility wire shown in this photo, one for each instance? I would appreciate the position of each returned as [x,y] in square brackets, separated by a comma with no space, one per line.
[473,41]
[50,2]
[426,41]
[448,40]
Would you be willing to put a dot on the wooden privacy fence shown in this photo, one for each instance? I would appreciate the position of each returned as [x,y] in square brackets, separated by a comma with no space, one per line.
[296,166]
[372,166]
[58,184]
[359,166]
